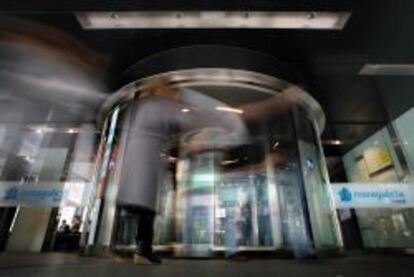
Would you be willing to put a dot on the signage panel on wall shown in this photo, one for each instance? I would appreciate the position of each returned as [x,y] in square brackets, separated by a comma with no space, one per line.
[43,195]
[373,195]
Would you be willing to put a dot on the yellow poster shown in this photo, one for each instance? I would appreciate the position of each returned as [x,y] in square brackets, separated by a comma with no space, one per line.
[376,158]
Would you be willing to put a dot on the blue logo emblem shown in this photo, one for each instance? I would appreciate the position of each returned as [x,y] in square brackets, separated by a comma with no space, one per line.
[345,195]
[310,164]
[11,193]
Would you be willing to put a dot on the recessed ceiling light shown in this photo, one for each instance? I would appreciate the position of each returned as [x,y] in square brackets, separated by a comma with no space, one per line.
[230,110]
[387,69]
[333,142]
[227,162]
[213,19]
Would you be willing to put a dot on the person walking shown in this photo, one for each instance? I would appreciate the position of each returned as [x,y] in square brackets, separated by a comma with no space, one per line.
[150,123]
[148,126]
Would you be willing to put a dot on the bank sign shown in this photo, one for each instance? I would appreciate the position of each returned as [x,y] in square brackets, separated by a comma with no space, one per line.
[43,195]
[373,195]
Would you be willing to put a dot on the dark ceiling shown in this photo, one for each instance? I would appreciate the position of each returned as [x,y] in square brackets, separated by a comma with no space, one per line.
[379,31]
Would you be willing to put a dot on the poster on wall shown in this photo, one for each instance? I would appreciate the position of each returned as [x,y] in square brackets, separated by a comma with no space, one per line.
[376,158]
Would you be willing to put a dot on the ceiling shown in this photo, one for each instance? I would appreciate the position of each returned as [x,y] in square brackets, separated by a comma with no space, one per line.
[379,31]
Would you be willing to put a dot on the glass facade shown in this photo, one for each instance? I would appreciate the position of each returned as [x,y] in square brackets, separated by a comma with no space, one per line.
[384,159]
[405,129]
[49,169]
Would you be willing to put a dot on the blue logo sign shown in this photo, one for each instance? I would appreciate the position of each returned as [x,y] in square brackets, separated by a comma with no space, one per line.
[392,196]
[373,195]
[386,195]
[23,194]
[41,194]
[11,194]
[345,195]
[46,194]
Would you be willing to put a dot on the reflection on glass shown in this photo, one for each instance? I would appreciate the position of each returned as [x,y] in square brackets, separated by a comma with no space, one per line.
[235,180]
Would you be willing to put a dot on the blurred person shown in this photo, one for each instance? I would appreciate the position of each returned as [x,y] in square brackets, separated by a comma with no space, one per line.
[237,226]
[64,227]
[277,105]
[245,222]
[294,227]
[152,120]
[232,234]
[48,75]
[76,224]
[47,78]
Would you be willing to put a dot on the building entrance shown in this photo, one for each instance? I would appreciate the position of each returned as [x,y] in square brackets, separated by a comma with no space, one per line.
[244,170]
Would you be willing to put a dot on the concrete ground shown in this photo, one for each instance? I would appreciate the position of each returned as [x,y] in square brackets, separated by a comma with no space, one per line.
[63,265]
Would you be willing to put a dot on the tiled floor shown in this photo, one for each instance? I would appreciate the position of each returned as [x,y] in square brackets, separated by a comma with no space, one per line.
[63,265]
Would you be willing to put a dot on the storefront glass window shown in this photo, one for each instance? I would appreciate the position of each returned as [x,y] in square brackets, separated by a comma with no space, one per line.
[375,161]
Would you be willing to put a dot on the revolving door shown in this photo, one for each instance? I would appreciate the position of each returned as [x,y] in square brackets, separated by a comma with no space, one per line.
[244,168]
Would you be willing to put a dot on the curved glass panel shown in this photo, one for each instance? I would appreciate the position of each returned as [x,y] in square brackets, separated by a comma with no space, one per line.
[221,165]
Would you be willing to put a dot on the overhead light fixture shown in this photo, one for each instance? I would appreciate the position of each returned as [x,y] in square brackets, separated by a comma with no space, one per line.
[213,19]
[333,142]
[228,162]
[44,128]
[185,110]
[387,69]
[228,109]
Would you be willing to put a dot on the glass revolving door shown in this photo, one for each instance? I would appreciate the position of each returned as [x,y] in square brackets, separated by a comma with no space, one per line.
[233,175]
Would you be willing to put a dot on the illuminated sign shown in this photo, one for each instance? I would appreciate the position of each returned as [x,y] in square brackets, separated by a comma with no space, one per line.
[43,195]
[373,195]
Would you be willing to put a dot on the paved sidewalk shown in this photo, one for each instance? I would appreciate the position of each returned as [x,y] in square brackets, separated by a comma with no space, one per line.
[63,265]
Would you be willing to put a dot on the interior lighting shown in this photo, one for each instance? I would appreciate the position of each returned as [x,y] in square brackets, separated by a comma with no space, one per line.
[387,69]
[213,19]
[229,109]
